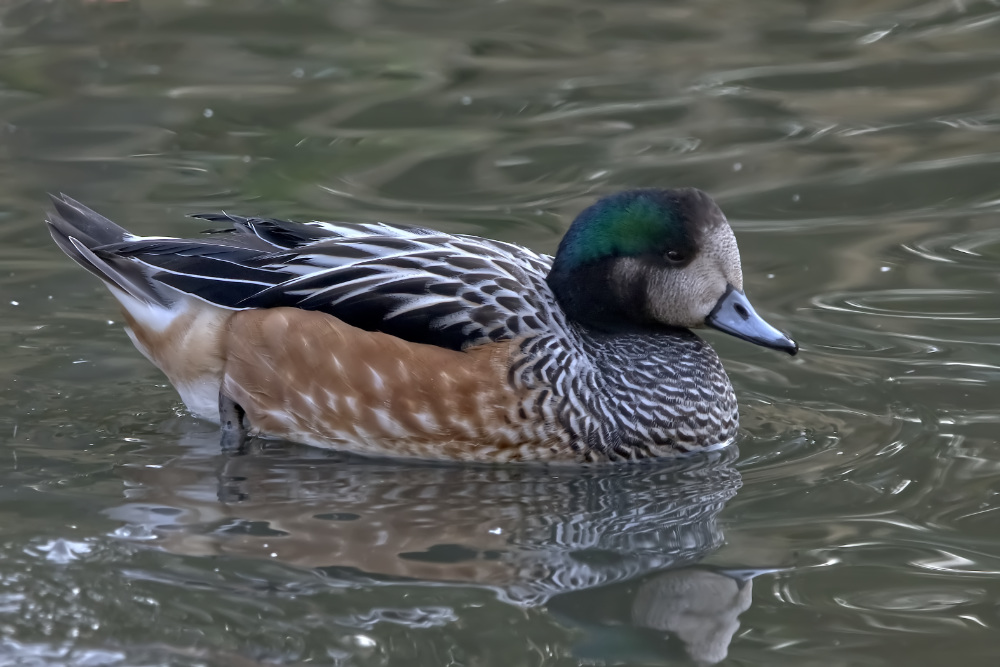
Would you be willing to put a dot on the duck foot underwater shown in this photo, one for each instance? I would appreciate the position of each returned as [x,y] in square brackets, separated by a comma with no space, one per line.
[402,341]
[234,433]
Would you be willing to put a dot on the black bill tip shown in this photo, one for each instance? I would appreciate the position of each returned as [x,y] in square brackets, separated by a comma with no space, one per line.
[734,315]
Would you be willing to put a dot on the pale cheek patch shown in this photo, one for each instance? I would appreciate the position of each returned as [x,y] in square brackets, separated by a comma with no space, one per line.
[686,296]
[721,248]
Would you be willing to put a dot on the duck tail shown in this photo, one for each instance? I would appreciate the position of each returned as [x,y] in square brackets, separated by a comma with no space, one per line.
[81,232]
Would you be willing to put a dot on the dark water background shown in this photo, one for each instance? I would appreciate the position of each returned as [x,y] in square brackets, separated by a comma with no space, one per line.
[855,147]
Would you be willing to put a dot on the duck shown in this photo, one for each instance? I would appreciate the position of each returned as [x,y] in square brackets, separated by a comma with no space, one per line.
[400,341]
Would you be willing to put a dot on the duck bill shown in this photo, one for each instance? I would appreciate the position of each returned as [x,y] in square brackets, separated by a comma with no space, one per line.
[734,315]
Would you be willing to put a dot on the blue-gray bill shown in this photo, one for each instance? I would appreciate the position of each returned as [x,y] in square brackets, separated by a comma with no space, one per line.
[734,315]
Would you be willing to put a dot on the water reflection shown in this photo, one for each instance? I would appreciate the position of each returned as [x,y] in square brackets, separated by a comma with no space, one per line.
[698,605]
[526,532]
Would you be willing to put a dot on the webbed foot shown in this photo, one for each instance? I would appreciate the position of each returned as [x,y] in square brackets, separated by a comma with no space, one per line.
[234,434]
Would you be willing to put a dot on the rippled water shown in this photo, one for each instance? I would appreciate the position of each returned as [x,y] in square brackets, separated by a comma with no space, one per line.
[854,146]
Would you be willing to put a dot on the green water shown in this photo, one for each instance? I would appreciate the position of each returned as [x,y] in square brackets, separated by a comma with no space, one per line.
[855,148]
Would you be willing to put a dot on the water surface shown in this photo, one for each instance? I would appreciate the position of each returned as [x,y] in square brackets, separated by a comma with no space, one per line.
[856,150]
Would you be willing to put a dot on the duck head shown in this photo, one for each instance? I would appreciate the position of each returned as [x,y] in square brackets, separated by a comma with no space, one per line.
[647,259]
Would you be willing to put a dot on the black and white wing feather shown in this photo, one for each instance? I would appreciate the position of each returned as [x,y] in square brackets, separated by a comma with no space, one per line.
[454,291]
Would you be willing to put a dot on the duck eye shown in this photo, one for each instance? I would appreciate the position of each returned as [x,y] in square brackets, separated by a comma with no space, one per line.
[674,256]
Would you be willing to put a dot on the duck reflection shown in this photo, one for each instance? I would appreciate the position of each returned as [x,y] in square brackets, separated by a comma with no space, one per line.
[699,605]
[526,532]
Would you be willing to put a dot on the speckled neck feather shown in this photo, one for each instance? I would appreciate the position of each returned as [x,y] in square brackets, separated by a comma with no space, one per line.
[627,396]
